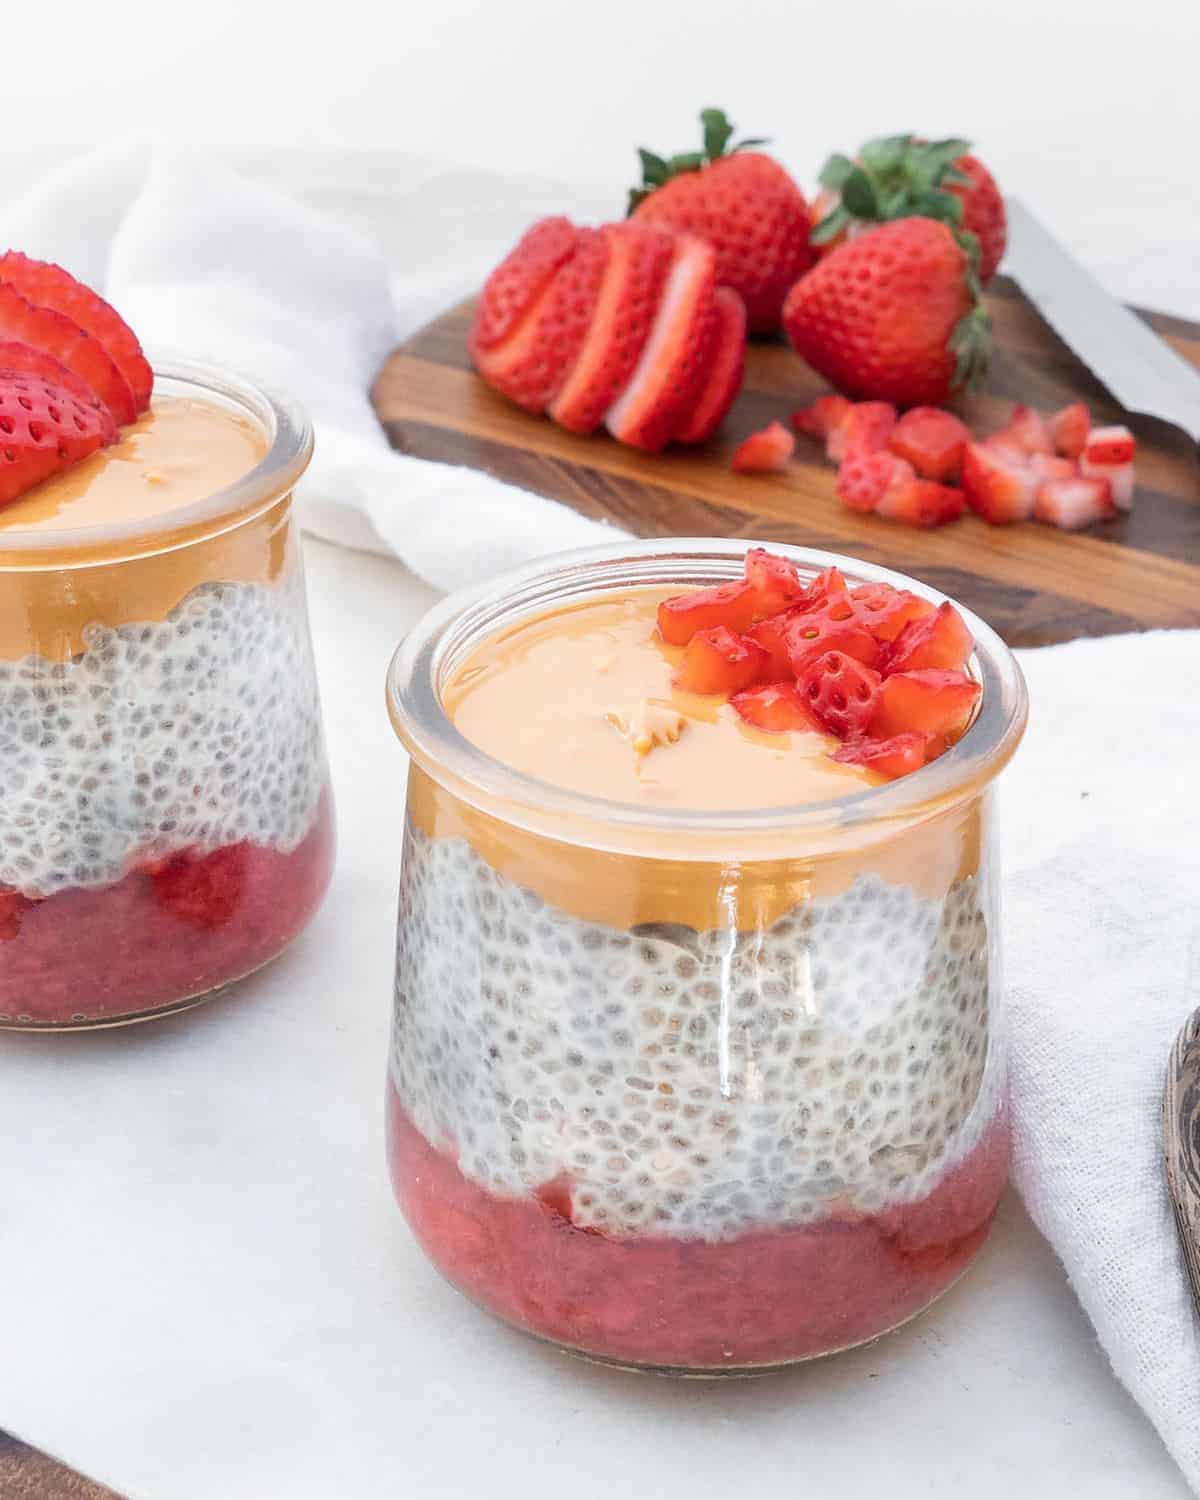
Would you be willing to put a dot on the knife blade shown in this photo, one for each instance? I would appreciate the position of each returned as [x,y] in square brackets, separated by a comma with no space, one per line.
[1142,372]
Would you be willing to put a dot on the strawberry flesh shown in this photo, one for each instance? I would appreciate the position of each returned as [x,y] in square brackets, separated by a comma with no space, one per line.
[765,452]
[520,279]
[775,582]
[932,441]
[203,890]
[62,338]
[997,488]
[718,661]
[822,418]
[899,755]
[885,610]
[728,367]
[776,707]
[22,359]
[840,692]
[728,604]
[940,640]
[1110,446]
[927,701]
[1069,429]
[43,430]
[868,426]
[920,502]
[1072,503]
[833,626]
[1119,478]
[1027,429]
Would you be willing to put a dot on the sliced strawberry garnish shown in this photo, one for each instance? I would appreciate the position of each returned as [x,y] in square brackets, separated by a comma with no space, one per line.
[925,702]
[1050,466]
[639,257]
[833,626]
[725,376]
[728,604]
[840,693]
[204,890]
[898,756]
[718,661]
[1110,446]
[777,707]
[940,640]
[765,452]
[48,285]
[868,425]
[24,359]
[43,430]
[1072,503]
[1028,430]
[920,502]
[676,359]
[1069,429]
[520,279]
[57,335]
[997,488]
[932,440]
[823,418]
[775,582]
[885,610]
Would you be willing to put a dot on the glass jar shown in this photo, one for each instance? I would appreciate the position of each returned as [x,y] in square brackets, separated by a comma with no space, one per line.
[166,824]
[694,1091]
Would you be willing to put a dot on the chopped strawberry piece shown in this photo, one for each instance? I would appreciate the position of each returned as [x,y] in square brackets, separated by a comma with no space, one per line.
[204,890]
[1072,503]
[24,359]
[776,707]
[775,582]
[885,610]
[43,430]
[764,452]
[59,336]
[833,626]
[865,477]
[897,756]
[828,584]
[1028,430]
[996,488]
[1069,429]
[1110,445]
[840,692]
[771,635]
[940,640]
[928,701]
[728,604]
[921,502]
[728,367]
[822,418]
[868,426]
[1003,446]
[1048,466]
[932,440]
[717,661]
[1119,477]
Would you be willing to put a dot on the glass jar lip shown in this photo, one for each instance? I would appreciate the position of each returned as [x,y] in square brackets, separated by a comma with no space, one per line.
[290,444]
[440,640]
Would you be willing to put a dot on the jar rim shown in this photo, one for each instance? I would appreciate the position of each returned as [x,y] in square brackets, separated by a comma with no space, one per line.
[439,641]
[289,448]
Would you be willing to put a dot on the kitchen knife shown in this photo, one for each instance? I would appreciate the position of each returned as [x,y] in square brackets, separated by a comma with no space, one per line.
[1142,372]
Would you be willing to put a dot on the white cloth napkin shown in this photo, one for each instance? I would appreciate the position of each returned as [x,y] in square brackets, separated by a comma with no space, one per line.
[207,264]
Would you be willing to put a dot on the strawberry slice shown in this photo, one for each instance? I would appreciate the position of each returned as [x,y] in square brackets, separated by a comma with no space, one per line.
[203,890]
[920,502]
[897,756]
[1069,429]
[43,430]
[840,692]
[677,356]
[765,452]
[823,418]
[865,477]
[1072,503]
[833,626]
[1119,478]
[777,707]
[728,367]
[932,441]
[47,285]
[1048,466]
[775,582]
[868,426]
[717,661]
[940,640]
[885,610]
[1028,430]
[23,359]
[639,257]
[728,604]
[995,487]
[928,701]
[57,335]
[520,279]
[1110,446]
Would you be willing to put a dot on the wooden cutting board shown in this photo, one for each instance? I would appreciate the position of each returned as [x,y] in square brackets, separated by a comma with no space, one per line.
[1033,583]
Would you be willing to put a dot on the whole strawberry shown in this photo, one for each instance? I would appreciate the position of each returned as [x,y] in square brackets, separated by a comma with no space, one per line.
[899,176]
[893,314]
[744,204]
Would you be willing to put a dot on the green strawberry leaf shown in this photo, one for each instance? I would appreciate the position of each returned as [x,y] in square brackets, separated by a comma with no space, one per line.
[971,345]
[835,171]
[886,153]
[953,177]
[859,195]
[944,206]
[750,142]
[830,227]
[654,170]
[686,161]
[717,131]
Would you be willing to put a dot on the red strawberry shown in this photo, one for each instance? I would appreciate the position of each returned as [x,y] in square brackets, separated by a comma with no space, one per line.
[898,756]
[920,502]
[43,430]
[995,487]
[718,661]
[203,890]
[834,626]
[823,418]
[48,285]
[677,356]
[635,271]
[777,707]
[928,701]
[886,610]
[728,604]
[57,335]
[1069,429]
[1072,503]
[868,426]
[864,478]
[1110,446]
[1005,446]
[744,204]
[840,693]
[932,440]
[725,376]
[771,635]
[1027,429]
[983,213]
[1119,478]
[939,640]
[765,452]
[23,359]
[775,582]
[894,314]
[1050,466]
[826,587]
[520,278]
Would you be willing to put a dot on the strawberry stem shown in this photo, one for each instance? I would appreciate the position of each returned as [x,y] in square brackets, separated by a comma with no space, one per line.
[718,132]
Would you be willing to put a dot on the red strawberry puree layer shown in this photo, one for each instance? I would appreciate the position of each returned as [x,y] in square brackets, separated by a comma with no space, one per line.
[157,938]
[765,1297]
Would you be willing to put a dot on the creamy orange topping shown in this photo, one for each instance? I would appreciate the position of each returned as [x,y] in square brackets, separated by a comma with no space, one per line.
[583,698]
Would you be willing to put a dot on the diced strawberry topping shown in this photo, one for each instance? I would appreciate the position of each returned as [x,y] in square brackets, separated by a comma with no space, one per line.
[771,635]
[928,701]
[1072,503]
[840,692]
[777,707]
[775,582]
[822,418]
[717,661]
[1028,430]
[1069,429]
[764,452]
[43,430]
[897,756]
[868,426]
[728,604]
[828,584]
[995,487]
[940,640]
[1003,446]
[1048,466]
[833,626]
[932,441]
[728,367]
[1119,478]
[865,477]
[1110,445]
[885,610]
[920,502]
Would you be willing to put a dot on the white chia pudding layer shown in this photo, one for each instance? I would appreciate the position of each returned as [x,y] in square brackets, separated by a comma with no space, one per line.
[194,732]
[694,1084]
